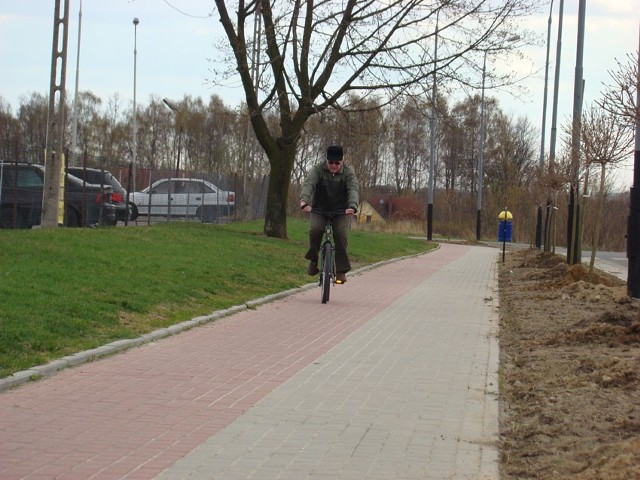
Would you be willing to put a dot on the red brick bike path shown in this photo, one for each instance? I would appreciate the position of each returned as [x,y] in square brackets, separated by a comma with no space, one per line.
[134,414]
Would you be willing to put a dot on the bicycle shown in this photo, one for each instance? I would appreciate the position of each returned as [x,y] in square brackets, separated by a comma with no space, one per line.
[327,265]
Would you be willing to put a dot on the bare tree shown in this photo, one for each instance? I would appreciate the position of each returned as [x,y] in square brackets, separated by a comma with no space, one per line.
[317,52]
[511,153]
[619,99]
[9,133]
[410,150]
[32,119]
[606,141]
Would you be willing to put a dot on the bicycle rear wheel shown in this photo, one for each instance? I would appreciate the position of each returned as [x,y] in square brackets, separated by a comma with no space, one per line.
[325,274]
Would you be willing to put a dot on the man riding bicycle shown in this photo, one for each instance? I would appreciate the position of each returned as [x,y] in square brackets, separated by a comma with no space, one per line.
[330,186]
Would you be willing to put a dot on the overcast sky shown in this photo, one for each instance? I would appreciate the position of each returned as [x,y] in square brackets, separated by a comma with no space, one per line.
[176,41]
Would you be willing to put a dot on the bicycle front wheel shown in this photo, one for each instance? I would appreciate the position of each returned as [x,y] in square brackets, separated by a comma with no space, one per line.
[325,274]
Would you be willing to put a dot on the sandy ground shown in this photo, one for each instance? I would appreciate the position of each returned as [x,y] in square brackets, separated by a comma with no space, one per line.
[570,372]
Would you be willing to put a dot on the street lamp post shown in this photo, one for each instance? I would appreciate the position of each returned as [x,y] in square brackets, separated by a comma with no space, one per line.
[512,39]
[74,125]
[574,256]
[132,164]
[178,112]
[546,81]
[633,230]
[432,139]
[543,130]
[481,152]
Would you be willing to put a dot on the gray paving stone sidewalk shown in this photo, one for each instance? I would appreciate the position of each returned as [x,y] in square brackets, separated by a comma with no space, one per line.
[395,378]
[410,395]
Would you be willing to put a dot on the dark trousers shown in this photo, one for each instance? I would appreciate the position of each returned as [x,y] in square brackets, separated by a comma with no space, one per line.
[341,225]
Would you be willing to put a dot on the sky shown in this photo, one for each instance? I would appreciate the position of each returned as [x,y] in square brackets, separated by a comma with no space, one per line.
[176,42]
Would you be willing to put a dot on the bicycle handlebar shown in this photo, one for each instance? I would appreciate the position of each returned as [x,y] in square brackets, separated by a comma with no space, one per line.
[328,213]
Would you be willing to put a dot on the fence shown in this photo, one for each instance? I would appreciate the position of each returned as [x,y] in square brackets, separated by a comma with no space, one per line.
[191,195]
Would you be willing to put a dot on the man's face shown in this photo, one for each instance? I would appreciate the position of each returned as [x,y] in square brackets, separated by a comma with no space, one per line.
[334,166]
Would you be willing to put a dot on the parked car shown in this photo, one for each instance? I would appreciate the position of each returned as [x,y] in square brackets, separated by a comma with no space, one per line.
[98,176]
[184,197]
[21,193]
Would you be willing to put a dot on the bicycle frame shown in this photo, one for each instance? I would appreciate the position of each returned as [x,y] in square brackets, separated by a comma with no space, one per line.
[327,256]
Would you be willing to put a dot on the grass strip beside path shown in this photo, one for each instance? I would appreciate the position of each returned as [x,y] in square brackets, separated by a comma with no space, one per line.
[67,290]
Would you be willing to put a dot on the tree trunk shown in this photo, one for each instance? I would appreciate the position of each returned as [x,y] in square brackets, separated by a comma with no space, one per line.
[275,220]
[596,228]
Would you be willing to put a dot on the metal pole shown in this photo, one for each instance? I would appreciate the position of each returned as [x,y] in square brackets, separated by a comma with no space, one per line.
[481,152]
[633,228]
[134,156]
[432,134]
[511,39]
[551,209]
[543,129]
[544,100]
[249,154]
[556,85]
[74,126]
[178,113]
[504,232]
[578,88]
[180,122]
[132,166]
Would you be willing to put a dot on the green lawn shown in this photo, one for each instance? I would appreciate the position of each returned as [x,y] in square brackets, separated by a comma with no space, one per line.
[66,290]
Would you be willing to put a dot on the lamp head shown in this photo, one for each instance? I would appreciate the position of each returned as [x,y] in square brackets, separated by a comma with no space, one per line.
[171,105]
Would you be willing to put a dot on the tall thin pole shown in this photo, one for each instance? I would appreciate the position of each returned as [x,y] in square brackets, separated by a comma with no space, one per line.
[74,126]
[633,228]
[134,150]
[556,87]
[551,209]
[573,246]
[247,197]
[544,128]
[481,152]
[546,81]
[53,193]
[134,155]
[432,134]
[180,122]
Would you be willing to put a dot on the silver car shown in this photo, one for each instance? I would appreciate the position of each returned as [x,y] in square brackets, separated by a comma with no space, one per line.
[184,197]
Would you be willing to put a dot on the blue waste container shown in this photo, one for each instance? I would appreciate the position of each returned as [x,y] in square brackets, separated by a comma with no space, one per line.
[505,226]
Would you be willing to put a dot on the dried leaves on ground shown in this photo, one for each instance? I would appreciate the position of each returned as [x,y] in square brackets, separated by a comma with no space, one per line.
[570,371]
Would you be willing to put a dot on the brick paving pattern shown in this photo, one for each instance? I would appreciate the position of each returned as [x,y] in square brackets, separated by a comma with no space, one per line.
[394,378]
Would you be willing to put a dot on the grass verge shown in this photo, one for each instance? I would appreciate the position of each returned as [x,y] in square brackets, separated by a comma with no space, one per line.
[67,290]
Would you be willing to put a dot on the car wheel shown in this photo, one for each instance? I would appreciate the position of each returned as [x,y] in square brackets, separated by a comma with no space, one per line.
[133,211]
[206,214]
[72,218]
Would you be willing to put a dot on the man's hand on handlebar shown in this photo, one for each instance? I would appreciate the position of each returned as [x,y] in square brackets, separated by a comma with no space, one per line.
[305,207]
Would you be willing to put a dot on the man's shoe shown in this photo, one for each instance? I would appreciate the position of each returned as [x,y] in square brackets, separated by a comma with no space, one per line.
[312,269]
[341,278]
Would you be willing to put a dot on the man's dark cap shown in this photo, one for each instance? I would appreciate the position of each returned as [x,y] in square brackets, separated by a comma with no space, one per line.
[334,152]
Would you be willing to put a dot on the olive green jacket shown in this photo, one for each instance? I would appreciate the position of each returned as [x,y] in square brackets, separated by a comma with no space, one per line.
[330,192]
